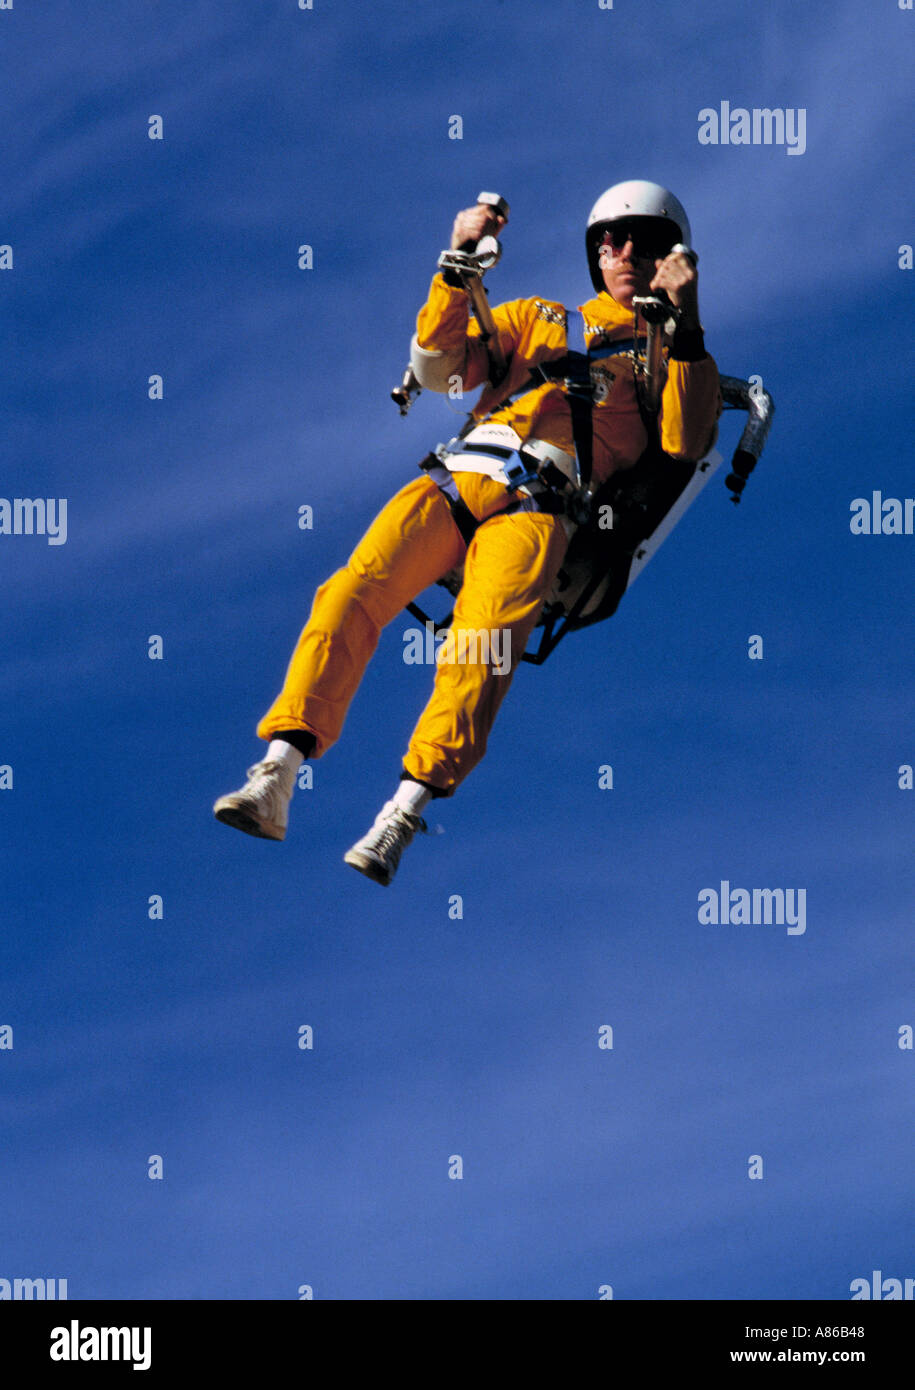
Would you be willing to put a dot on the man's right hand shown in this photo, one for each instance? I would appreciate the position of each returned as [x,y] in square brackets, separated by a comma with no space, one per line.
[474,223]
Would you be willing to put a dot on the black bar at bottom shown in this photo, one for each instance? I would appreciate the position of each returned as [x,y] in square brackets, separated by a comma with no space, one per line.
[324,1340]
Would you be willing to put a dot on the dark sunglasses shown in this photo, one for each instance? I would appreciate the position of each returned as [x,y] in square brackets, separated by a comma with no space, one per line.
[648,238]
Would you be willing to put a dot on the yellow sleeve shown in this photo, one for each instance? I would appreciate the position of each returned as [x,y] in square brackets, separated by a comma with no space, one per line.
[690,406]
[444,325]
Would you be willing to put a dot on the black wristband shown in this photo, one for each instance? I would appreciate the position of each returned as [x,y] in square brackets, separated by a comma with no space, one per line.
[688,345]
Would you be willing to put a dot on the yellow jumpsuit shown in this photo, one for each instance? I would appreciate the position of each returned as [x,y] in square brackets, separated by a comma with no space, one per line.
[511,562]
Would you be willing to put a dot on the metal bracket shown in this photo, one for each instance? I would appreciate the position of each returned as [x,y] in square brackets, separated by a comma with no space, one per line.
[472,265]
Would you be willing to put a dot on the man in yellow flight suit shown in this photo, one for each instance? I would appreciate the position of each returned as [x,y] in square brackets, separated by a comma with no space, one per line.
[511,540]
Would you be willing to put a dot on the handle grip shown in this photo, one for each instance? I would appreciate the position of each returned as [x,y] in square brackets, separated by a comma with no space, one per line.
[500,208]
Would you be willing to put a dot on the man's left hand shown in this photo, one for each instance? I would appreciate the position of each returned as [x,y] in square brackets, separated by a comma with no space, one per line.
[679,277]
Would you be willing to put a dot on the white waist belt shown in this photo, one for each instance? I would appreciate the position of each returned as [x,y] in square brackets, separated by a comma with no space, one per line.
[498,452]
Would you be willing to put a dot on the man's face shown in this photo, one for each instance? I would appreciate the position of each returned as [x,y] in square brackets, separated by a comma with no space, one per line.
[629,255]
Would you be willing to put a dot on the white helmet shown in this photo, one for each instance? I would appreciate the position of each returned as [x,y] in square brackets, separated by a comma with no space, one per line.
[635,199]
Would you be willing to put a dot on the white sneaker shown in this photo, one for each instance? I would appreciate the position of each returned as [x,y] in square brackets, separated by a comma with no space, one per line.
[378,853]
[262,806]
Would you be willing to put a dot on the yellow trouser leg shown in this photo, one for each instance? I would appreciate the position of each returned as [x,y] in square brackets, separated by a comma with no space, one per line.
[511,564]
[410,544]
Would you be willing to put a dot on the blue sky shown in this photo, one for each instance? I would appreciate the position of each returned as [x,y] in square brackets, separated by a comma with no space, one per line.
[432,1037]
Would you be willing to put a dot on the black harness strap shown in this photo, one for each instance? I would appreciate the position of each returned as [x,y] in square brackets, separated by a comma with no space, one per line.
[581,406]
[463,517]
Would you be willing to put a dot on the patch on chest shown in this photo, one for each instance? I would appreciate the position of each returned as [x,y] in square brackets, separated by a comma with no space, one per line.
[602,380]
[550,313]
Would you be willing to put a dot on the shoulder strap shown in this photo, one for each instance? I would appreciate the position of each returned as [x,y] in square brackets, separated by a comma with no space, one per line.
[580,396]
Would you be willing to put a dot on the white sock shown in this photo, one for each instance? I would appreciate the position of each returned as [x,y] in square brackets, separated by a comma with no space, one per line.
[282,752]
[412,797]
